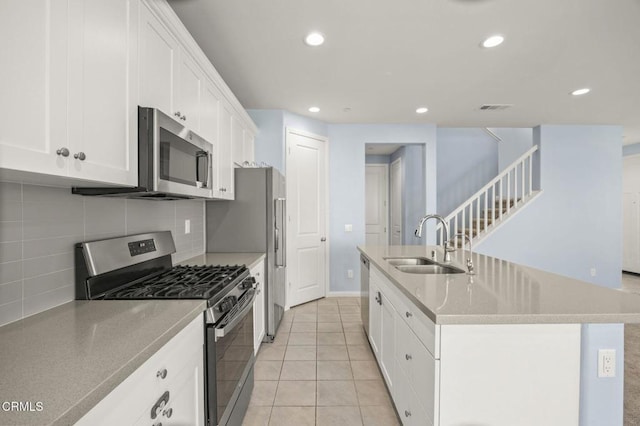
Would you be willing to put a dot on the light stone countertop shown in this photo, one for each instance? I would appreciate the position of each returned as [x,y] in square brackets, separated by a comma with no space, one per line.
[248,259]
[70,357]
[502,292]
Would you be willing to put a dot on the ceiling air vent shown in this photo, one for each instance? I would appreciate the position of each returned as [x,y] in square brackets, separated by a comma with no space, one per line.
[495,107]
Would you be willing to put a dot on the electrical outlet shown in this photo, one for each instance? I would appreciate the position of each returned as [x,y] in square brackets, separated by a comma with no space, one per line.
[349,273]
[348,228]
[607,363]
[593,272]
[187,226]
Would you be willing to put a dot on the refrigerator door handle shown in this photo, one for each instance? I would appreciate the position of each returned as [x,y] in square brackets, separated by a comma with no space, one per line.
[279,243]
[284,232]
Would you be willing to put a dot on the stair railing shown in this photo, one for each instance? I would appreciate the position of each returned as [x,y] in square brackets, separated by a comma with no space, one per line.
[508,190]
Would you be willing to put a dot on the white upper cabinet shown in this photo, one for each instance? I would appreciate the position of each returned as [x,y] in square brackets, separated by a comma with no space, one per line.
[159,57]
[248,148]
[33,84]
[190,85]
[225,159]
[79,69]
[103,90]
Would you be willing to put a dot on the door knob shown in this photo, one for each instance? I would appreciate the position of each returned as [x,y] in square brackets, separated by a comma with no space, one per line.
[63,151]
[80,156]
[323,239]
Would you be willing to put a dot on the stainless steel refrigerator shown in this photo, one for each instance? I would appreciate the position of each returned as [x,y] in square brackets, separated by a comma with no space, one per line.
[255,222]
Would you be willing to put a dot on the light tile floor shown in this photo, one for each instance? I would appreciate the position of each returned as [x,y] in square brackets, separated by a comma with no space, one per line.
[320,371]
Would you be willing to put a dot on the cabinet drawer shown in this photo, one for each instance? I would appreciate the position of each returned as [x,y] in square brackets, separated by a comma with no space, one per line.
[406,401]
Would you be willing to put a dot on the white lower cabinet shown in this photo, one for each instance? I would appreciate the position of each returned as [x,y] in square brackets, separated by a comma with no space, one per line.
[258,306]
[167,389]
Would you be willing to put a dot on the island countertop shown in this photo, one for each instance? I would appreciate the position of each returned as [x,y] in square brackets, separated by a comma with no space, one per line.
[502,292]
[70,357]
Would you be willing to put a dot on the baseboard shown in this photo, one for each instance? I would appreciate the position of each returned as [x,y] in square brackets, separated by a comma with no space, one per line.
[343,294]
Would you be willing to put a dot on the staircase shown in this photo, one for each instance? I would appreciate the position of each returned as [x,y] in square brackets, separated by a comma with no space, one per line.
[496,202]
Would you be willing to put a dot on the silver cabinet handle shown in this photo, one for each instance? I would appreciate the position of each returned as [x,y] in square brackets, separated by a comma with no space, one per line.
[168,412]
[63,151]
[408,314]
[407,413]
[323,239]
[177,114]
[408,357]
[183,118]
[162,373]
[80,156]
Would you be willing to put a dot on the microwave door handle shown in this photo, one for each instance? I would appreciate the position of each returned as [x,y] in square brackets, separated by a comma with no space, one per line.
[199,156]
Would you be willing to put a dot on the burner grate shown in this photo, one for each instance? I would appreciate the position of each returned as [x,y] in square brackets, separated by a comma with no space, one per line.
[182,282]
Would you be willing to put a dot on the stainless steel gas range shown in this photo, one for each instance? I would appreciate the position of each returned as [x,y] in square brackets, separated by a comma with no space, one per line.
[140,267]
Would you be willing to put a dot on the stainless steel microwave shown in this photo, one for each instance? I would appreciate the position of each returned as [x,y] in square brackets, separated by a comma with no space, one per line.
[173,162]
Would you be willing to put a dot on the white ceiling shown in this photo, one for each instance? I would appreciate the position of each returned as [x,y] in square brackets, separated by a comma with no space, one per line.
[382,59]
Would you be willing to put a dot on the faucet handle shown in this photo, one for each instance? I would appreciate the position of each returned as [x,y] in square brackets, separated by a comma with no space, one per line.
[470,267]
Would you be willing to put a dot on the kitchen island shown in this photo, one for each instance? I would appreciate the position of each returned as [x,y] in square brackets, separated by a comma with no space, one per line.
[500,347]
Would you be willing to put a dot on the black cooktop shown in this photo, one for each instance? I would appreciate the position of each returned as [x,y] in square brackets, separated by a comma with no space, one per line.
[182,282]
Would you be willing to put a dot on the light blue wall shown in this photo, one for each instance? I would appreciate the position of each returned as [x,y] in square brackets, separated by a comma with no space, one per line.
[269,142]
[346,189]
[467,160]
[632,149]
[515,142]
[306,124]
[413,190]
[573,226]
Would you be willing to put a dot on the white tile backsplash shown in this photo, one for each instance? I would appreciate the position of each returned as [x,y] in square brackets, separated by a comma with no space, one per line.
[39,226]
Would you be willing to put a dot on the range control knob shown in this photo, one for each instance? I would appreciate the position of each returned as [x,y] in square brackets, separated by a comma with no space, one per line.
[227,303]
[247,283]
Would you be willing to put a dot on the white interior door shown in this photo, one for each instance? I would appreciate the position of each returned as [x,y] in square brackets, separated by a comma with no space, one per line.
[395,179]
[376,204]
[307,217]
[630,232]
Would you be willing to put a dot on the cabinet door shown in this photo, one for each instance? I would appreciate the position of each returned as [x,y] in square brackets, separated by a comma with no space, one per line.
[225,162]
[159,56]
[237,141]
[375,314]
[33,85]
[209,106]
[103,90]
[387,341]
[190,83]
[248,146]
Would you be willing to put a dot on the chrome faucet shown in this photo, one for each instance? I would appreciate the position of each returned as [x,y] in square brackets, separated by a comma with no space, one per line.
[445,244]
[470,267]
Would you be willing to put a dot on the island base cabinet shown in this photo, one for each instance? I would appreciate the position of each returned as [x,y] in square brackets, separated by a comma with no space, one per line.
[524,374]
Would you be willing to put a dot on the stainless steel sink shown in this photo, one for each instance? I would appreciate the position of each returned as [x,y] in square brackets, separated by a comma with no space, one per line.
[398,261]
[429,269]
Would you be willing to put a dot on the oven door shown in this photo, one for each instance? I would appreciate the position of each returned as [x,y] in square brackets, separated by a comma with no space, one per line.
[230,380]
[182,159]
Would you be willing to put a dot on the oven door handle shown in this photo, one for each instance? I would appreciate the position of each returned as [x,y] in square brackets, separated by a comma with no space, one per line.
[221,332]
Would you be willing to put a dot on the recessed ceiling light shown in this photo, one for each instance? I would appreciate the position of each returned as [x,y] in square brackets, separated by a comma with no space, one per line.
[493,41]
[581,91]
[314,109]
[422,110]
[314,39]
